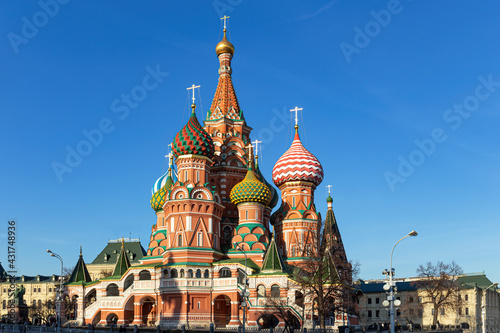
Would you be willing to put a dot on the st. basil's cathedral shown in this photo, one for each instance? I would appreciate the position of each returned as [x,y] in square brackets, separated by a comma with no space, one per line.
[214,229]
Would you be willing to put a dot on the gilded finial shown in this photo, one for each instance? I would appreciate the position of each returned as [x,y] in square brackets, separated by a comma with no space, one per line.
[224,45]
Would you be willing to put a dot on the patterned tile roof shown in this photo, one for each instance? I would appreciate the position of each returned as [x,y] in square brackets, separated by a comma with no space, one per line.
[297,164]
[273,262]
[192,139]
[166,181]
[250,189]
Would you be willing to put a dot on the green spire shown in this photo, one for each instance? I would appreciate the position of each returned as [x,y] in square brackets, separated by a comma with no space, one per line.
[122,264]
[272,260]
[80,272]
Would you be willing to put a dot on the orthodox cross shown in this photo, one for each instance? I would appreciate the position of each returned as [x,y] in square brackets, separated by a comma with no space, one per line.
[329,187]
[224,18]
[296,110]
[170,158]
[249,147]
[193,87]
[256,143]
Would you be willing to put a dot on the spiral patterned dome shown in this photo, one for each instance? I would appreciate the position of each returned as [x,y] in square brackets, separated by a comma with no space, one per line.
[160,189]
[274,194]
[193,139]
[250,189]
[297,164]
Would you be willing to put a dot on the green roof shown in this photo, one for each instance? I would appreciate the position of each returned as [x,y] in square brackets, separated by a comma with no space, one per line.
[80,272]
[250,263]
[109,255]
[475,280]
[272,260]
[122,264]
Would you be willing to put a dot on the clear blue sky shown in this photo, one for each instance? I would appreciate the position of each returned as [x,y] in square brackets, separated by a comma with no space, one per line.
[373,78]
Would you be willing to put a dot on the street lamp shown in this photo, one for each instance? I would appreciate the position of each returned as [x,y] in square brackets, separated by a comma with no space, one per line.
[59,291]
[245,293]
[391,286]
[484,305]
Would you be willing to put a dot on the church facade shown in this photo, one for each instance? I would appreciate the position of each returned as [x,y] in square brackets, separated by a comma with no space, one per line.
[216,246]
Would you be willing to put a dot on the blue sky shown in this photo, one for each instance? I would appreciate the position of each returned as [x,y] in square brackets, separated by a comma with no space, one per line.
[401,107]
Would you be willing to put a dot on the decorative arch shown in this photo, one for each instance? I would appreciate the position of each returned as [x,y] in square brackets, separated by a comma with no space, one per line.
[112,290]
[144,275]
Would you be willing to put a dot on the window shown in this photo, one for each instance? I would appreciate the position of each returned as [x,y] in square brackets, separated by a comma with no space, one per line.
[377,313]
[34,290]
[144,275]
[185,176]
[206,275]
[198,305]
[224,272]
[432,312]
[275,291]
[293,201]
[190,273]
[261,291]
[459,311]
[442,311]
[198,274]
[466,298]
[377,301]
[40,303]
[411,300]
[256,214]
[200,239]
[180,240]
[246,214]
[4,304]
[182,273]
[112,290]
[369,300]
[50,290]
[34,304]
[173,273]
[466,311]
[39,290]
[369,313]
[420,313]
[198,180]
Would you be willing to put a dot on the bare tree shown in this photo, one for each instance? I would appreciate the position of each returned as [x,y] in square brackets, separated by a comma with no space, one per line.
[42,312]
[411,309]
[438,285]
[325,275]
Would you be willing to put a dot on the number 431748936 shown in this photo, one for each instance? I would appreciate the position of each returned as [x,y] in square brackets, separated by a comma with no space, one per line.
[11,240]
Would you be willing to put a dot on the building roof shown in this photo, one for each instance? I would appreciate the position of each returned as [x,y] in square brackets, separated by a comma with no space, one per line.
[472,280]
[80,272]
[378,286]
[35,279]
[273,262]
[109,255]
[122,264]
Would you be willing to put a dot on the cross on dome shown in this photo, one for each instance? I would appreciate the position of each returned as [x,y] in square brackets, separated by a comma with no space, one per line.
[296,110]
[224,18]
[256,144]
[250,148]
[193,87]
[329,187]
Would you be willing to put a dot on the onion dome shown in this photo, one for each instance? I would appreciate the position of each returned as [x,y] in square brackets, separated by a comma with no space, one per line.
[224,46]
[297,164]
[329,199]
[274,193]
[250,189]
[192,139]
[160,189]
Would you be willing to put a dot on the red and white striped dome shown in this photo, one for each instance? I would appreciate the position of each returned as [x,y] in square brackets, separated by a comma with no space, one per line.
[297,164]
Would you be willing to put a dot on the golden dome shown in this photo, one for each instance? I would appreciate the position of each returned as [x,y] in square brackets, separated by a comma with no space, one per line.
[224,46]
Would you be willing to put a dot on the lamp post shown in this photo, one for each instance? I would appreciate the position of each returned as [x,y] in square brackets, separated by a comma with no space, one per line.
[59,291]
[483,306]
[244,302]
[391,286]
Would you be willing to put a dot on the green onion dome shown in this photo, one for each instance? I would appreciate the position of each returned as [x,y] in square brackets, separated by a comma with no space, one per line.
[250,189]
[274,194]
[192,139]
[329,199]
[158,199]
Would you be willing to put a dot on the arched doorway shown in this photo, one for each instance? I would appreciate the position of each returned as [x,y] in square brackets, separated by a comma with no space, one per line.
[128,310]
[148,311]
[111,319]
[97,319]
[222,310]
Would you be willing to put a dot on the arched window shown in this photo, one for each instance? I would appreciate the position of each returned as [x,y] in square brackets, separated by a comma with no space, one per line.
[144,275]
[261,291]
[206,275]
[198,273]
[40,303]
[112,290]
[49,304]
[275,291]
[34,304]
[179,240]
[165,273]
[128,282]
[173,273]
[224,272]
[182,273]
[190,273]
[293,201]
